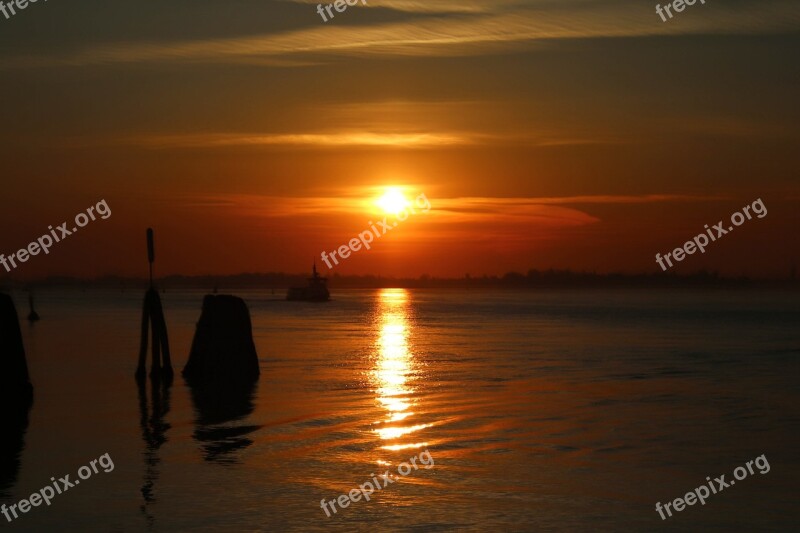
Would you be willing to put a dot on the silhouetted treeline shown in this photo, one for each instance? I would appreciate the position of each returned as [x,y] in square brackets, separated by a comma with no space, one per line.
[532,279]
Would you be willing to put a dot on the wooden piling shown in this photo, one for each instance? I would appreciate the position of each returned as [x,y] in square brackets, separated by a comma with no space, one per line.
[15,386]
[223,349]
[153,318]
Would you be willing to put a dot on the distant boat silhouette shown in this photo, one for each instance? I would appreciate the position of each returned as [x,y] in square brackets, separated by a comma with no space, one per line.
[317,290]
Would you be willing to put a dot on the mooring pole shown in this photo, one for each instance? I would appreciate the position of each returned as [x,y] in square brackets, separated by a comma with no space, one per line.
[153,316]
[151,253]
[141,370]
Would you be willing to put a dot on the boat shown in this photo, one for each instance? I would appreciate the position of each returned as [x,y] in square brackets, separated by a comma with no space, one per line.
[317,290]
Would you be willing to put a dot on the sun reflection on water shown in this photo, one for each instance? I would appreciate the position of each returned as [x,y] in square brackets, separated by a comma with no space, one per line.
[394,370]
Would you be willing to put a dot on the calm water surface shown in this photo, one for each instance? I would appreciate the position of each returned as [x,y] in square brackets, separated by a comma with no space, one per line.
[543,411]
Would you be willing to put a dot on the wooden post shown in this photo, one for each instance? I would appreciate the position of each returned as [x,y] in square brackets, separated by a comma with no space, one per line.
[155,363]
[160,325]
[151,253]
[153,314]
[15,385]
[141,370]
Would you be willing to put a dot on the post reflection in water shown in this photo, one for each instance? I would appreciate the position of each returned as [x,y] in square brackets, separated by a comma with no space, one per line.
[395,371]
[154,434]
[220,408]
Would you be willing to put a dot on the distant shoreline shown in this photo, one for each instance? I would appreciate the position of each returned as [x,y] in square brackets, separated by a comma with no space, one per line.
[534,279]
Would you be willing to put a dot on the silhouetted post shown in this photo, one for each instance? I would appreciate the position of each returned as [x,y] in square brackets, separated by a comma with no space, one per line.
[154,314]
[151,253]
[16,394]
[15,385]
[140,369]
[223,348]
[222,373]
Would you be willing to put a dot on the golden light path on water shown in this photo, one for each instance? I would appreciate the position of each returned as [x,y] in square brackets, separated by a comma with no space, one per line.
[394,370]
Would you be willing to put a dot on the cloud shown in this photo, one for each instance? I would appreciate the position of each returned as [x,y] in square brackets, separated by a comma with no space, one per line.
[454,219]
[488,30]
[314,140]
[445,6]
[341,139]
[546,211]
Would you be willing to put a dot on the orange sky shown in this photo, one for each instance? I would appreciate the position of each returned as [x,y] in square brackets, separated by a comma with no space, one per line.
[545,134]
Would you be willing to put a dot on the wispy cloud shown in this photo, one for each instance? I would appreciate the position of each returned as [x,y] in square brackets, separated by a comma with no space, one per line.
[315,140]
[446,6]
[446,216]
[363,201]
[342,139]
[481,32]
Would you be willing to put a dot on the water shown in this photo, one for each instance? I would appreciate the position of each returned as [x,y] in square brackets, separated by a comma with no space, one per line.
[542,411]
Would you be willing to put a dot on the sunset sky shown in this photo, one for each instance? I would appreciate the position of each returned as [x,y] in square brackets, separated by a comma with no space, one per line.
[545,133]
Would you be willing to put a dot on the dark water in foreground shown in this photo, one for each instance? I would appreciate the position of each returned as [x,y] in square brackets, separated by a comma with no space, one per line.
[543,411]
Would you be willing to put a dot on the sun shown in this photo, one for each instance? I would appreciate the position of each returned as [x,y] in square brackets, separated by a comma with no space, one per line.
[392,201]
